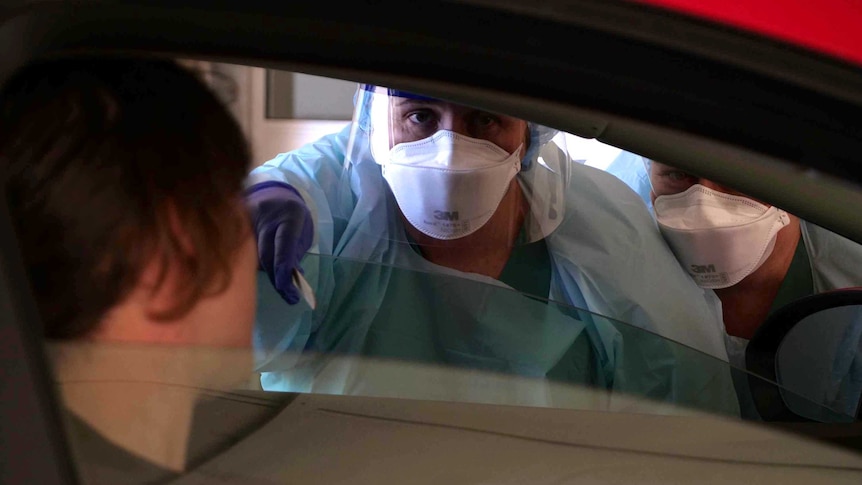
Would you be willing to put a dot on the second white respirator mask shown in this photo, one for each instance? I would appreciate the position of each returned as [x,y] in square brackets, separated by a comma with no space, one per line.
[449,185]
[719,238]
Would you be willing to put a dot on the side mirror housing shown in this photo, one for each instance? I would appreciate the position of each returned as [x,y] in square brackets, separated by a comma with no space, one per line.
[813,348]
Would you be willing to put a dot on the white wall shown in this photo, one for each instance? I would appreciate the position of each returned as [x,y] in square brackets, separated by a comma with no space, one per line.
[268,137]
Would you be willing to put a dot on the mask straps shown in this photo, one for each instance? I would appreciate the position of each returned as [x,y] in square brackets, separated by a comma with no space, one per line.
[647,162]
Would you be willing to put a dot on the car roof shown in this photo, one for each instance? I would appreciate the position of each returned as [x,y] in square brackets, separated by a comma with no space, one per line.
[830,27]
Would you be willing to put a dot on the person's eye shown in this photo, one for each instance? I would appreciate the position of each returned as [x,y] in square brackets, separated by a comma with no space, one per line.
[420,117]
[485,120]
[677,175]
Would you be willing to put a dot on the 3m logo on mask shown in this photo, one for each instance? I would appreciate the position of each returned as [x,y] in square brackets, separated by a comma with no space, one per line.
[446,215]
[702,268]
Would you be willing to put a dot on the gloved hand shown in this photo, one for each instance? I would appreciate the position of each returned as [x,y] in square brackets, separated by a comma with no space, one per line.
[284,231]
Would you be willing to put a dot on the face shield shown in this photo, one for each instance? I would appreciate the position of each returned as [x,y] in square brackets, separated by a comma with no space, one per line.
[456,173]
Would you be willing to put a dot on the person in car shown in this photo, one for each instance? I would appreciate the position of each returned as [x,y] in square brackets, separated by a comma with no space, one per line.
[123,180]
[455,205]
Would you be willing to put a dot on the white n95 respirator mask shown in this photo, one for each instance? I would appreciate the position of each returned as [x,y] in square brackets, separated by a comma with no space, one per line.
[449,185]
[719,238]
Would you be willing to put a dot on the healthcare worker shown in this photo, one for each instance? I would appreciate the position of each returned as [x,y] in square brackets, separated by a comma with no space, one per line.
[422,216]
[756,257]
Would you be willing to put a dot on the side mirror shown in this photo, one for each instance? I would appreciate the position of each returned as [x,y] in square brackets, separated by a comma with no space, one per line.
[812,347]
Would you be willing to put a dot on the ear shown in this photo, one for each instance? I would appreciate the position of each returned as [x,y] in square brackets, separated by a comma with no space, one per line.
[163,277]
[132,319]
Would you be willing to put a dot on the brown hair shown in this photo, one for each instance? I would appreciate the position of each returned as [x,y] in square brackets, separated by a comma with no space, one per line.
[103,160]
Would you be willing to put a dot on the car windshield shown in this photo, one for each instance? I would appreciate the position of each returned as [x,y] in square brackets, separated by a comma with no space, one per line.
[582,306]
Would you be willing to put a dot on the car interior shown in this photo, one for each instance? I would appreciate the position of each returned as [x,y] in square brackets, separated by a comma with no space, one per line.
[777,122]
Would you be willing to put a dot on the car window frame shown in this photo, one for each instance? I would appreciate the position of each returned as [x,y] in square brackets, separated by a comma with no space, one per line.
[528,75]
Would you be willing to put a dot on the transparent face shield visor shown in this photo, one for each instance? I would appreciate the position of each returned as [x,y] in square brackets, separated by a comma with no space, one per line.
[446,174]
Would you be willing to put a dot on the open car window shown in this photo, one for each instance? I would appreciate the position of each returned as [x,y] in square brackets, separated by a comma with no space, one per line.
[597,314]
[588,309]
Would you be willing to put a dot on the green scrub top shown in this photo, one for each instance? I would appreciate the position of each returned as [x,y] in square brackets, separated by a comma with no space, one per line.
[798,281]
[529,269]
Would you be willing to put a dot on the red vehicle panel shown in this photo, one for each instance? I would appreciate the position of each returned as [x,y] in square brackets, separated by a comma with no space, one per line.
[830,27]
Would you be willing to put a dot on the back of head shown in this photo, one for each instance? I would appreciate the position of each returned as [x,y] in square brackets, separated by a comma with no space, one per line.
[109,164]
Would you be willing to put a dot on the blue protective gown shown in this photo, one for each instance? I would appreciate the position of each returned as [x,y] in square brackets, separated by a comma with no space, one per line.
[380,298]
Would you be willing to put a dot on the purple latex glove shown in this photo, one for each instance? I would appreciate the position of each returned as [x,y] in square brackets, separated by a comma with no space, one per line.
[284,231]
